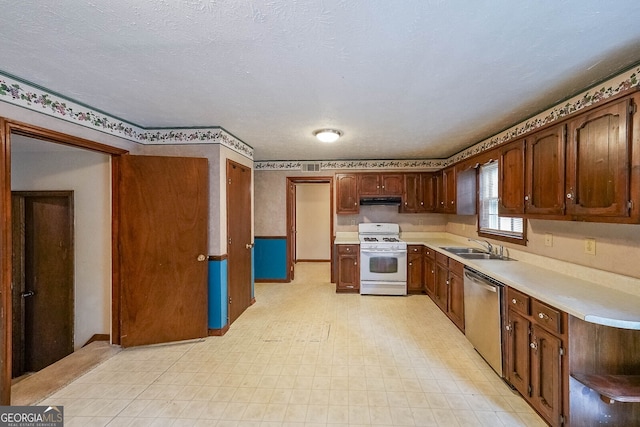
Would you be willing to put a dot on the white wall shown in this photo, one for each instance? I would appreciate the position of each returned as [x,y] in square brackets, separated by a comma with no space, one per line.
[88,174]
[313,222]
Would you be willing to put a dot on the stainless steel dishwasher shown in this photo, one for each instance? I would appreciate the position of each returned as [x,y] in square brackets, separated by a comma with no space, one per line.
[483,316]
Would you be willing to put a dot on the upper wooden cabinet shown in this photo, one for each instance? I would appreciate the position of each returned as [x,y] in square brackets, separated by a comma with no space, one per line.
[347,201]
[545,166]
[447,190]
[381,184]
[511,179]
[419,193]
[598,162]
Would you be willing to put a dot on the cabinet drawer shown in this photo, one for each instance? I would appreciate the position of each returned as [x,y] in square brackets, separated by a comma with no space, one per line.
[348,249]
[442,259]
[547,317]
[456,267]
[518,301]
[430,253]
[415,249]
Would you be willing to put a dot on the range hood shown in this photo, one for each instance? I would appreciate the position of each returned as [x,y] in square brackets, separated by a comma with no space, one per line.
[381,201]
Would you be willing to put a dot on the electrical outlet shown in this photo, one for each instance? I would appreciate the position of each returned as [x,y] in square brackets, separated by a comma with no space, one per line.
[590,246]
[353,222]
[421,222]
[548,239]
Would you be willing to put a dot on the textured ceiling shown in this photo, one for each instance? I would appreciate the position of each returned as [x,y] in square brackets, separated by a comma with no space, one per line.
[401,79]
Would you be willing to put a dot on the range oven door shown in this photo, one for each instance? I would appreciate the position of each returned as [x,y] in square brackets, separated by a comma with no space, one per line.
[383,265]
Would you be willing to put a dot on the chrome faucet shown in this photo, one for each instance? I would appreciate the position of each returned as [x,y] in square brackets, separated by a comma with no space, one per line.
[484,243]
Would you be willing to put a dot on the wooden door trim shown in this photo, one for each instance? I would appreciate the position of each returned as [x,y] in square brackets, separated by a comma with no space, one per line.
[7,127]
[292,180]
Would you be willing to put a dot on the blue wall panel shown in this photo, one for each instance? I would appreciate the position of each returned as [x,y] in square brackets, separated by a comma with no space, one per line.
[218,294]
[270,259]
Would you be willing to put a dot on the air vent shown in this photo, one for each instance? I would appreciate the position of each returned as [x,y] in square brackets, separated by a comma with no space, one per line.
[311,167]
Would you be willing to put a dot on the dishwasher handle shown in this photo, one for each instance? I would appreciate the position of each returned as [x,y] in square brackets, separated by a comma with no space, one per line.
[480,282]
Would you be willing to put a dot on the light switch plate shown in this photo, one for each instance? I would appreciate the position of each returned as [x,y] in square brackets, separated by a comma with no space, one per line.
[590,246]
[548,239]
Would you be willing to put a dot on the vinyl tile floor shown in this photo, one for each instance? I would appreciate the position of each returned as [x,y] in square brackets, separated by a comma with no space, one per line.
[303,355]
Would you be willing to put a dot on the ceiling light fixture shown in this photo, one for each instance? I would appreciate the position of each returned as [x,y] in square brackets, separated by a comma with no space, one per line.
[328,135]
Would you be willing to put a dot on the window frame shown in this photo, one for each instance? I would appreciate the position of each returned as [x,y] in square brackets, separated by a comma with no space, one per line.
[496,234]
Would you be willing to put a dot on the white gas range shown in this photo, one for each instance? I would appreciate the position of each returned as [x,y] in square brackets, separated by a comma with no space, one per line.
[383,259]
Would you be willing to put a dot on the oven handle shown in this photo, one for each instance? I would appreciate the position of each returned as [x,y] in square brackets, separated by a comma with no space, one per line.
[365,251]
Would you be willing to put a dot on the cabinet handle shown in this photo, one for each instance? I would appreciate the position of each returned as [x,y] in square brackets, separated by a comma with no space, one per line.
[543,316]
[508,327]
[355,263]
[569,196]
[447,282]
[421,203]
[534,345]
[405,203]
[515,301]
[348,249]
[526,198]
[410,263]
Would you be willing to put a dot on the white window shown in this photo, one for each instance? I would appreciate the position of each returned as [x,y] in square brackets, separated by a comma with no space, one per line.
[489,222]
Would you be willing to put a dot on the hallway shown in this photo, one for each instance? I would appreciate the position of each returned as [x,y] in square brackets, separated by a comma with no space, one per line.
[304,355]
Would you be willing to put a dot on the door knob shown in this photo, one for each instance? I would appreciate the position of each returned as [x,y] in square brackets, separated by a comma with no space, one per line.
[201,257]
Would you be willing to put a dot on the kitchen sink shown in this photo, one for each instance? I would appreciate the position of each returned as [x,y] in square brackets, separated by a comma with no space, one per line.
[459,251]
[474,253]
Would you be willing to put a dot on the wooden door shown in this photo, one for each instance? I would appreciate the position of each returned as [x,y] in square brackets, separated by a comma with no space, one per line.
[43,279]
[517,364]
[347,194]
[239,238]
[292,239]
[546,374]
[545,167]
[163,229]
[511,179]
[598,159]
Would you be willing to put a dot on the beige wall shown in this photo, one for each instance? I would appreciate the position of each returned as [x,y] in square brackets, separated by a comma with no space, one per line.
[88,174]
[313,222]
[271,218]
[617,245]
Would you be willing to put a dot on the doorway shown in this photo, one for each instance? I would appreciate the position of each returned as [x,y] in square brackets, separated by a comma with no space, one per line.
[43,279]
[309,188]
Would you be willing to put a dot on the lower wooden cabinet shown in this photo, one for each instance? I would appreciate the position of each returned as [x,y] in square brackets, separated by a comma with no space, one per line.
[534,360]
[348,274]
[449,288]
[429,271]
[415,272]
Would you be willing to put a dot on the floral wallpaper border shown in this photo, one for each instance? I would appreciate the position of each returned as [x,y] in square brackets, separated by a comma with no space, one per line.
[28,96]
[352,164]
[36,99]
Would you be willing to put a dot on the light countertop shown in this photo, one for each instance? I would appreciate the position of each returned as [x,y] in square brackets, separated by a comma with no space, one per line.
[588,300]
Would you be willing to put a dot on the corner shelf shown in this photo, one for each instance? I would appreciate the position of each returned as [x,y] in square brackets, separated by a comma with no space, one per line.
[612,388]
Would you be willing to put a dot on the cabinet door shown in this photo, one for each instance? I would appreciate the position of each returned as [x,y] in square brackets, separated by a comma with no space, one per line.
[429,271]
[440,196]
[440,296]
[412,193]
[517,352]
[598,158]
[347,194]
[449,189]
[546,374]
[369,184]
[429,192]
[414,269]
[511,179]
[392,184]
[545,163]
[456,300]
[348,272]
